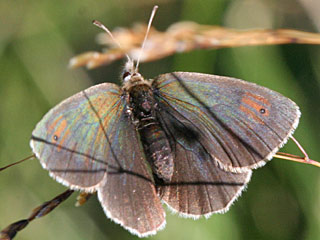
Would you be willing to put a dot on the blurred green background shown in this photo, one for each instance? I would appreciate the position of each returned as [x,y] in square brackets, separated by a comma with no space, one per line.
[37,39]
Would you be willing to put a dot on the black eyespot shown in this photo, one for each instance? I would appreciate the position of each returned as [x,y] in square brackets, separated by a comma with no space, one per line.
[55,137]
[262,111]
[125,74]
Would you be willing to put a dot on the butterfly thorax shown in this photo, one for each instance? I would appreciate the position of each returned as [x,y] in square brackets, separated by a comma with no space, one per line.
[143,110]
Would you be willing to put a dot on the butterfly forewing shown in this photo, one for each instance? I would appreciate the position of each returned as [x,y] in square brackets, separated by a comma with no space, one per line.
[239,124]
[72,140]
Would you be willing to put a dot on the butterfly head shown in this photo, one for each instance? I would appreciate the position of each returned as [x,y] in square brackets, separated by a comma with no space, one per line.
[131,77]
[129,72]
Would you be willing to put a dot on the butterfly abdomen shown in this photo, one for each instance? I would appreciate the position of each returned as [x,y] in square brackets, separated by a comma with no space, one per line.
[158,151]
[154,140]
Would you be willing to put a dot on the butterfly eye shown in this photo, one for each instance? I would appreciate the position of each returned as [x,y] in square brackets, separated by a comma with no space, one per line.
[55,137]
[125,74]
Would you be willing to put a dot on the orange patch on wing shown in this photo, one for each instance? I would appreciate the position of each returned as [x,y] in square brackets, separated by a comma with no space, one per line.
[258,98]
[63,139]
[251,114]
[58,132]
[61,128]
[53,125]
[256,106]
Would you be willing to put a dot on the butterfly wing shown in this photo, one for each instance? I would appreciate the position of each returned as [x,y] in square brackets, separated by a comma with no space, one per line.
[198,187]
[240,124]
[73,139]
[88,142]
[127,194]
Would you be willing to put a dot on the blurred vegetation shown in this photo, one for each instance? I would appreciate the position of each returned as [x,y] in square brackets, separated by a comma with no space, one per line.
[37,39]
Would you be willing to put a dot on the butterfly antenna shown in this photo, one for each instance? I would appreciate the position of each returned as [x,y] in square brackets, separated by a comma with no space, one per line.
[103,27]
[154,10]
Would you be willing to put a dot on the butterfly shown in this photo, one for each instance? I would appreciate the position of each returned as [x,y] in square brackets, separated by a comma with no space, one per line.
[188,140]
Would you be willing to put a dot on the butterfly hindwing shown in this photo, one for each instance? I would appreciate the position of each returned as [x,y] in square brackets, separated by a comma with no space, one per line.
[128,194]
[198,187]
[240,124]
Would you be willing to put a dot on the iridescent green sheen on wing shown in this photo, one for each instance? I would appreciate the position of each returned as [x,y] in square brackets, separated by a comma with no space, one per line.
[240,124]
[73,139]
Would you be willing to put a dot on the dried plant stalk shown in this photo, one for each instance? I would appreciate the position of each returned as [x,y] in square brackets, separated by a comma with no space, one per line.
[184,37]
